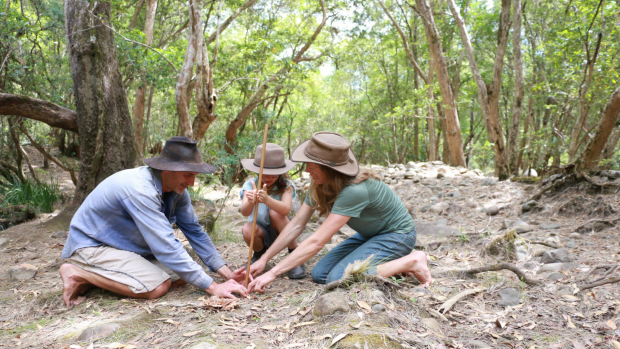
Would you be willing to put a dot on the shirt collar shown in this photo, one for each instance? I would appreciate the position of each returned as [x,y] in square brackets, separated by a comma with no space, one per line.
[157,177]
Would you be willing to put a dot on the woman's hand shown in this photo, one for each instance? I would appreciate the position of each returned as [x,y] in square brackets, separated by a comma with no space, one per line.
[257,267]
[262,281]
[262,195]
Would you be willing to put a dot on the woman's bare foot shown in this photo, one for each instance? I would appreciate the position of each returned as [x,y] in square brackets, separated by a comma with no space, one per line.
[418,267]
[73,285]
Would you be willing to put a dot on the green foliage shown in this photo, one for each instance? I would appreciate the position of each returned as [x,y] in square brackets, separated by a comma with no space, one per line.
[40,196]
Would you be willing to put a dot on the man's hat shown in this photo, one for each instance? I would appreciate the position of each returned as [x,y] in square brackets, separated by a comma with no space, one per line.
[180,154]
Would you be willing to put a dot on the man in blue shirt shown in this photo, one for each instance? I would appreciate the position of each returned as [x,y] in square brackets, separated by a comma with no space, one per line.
[121,238]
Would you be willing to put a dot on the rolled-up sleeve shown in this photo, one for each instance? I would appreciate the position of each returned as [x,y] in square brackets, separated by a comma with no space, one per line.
[200,241]
[145,210]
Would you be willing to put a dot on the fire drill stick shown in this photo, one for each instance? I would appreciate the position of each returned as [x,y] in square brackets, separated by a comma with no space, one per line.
[258,187]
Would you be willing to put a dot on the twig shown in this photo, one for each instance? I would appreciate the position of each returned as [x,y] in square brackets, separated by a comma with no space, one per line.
[543,243]
[596,284]
[447,305]
[437,314]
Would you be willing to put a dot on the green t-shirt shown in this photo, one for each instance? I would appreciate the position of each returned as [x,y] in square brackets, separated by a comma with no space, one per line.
[373,207]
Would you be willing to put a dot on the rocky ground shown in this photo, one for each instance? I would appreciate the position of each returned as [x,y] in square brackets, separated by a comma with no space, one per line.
[564,244]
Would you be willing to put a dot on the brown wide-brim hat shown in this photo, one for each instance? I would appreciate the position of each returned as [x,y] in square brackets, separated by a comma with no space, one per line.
[276,162]
[328,149]
[180,154]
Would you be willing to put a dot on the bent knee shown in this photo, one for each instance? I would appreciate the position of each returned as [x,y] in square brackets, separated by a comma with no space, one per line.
[276,216]
[160,290]
[317,276]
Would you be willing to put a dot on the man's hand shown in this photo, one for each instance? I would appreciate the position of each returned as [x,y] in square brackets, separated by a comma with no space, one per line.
[260,283]
[257,267]
[239,275]
[227,289]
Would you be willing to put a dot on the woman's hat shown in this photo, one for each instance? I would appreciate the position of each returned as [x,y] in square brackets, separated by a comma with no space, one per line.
[275,160]
[328,149]
[180,154]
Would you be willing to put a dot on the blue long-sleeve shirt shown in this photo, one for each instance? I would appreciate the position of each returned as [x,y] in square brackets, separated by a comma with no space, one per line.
[128,211]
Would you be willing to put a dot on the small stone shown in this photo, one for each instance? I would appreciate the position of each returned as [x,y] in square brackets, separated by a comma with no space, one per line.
[555,256]
[575,236]
[550,226]
[556,276]
[551,267]
[538,250]
[92,334]
[331,303]
[438,207]
[521,253]
[491,210]
[522,227]
[61,234]
[437,163]
[426,207]
[476,344]
[571,243]
[377,308]
[432,324]
[455,194]
[23,271]
[3,241]
[470,203]
[509,297]
[565,290]
[489,181]
[528,206]
[531,265]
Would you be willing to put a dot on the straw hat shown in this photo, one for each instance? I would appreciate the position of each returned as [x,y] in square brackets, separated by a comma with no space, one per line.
[180,154]
[328,149]
[275,160]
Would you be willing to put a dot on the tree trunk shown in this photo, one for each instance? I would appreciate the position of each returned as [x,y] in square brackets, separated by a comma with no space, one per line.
[513,138]
[139,103]
[185,75]
[610,147]
[106,137]
[257,97]
[524,140]
[430,120]
[455,142]
[36,109]
[590,156]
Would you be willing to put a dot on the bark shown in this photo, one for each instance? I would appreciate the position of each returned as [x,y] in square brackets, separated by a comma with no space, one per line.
[610,147]
[524,140]
[584,101]
[257,97]
[36,109]
[19,168]
[185,75]
[513,138]
[589,158]
[455,141]
[139,103]
[136,13]
[430,121]
[106,135]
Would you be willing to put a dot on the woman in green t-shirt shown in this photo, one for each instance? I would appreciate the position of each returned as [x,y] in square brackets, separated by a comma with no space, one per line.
[346,195]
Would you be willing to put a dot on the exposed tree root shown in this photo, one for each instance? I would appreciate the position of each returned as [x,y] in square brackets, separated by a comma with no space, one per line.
[601,280]
[551,186]
[497,267]
[611,221]
[447,305]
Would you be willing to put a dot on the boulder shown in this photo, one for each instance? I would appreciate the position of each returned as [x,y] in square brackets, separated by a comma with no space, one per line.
[491,210]
[23,271]
[331,303]
[509,297]
[94,333]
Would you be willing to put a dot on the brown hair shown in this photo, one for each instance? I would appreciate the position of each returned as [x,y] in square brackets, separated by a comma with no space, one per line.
[280,183]
[324,195]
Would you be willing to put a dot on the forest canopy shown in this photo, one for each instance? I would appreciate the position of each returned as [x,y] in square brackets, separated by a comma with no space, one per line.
[498,85]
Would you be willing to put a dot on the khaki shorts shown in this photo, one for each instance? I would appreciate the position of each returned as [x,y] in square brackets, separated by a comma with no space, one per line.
[125,267]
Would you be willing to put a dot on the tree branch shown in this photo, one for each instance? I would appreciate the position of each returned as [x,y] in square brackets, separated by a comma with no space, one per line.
[40,110]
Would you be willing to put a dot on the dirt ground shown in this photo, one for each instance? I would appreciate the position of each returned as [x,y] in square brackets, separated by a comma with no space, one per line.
[554,314]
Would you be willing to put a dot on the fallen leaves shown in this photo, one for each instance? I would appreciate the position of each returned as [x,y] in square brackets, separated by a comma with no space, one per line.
[365,307]
[338,338]
[216,303]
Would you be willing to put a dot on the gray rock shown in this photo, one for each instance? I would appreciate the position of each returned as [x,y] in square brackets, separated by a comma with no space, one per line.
[611,174]
[565,290]
[491,210]
[551,267]
[455,194]
[426,207]
[22,272]
[3,241]
[92,334]
[528,206]
[556,276]
[437,163]
[432,324]
[61,234]
[470,203]
[531,265]
[331,303]
[571,243]
[522,227]
[575,236]
[377,308]
[438,207]
[550,226]
[539,250]
[509,297]
[521,253]
[489,181]
[555,256]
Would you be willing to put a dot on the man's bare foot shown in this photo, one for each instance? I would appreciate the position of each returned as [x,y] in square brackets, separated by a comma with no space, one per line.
[419,268]
[73,285]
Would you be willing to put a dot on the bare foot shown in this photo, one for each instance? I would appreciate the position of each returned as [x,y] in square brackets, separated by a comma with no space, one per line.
[73,285]
[419,268]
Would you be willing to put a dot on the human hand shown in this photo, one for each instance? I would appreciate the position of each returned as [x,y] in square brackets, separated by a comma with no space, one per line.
[251,194]
[262,195]
[260,283]
[257,267]
[226,289]
[239,275]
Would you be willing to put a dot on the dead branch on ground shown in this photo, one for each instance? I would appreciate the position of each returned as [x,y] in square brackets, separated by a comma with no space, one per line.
[497,267]
[602,279]
[447,305]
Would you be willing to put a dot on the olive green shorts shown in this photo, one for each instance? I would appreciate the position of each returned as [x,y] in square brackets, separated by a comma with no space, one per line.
[125,267]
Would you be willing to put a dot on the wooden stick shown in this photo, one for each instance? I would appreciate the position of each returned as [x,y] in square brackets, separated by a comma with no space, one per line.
[258,187]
